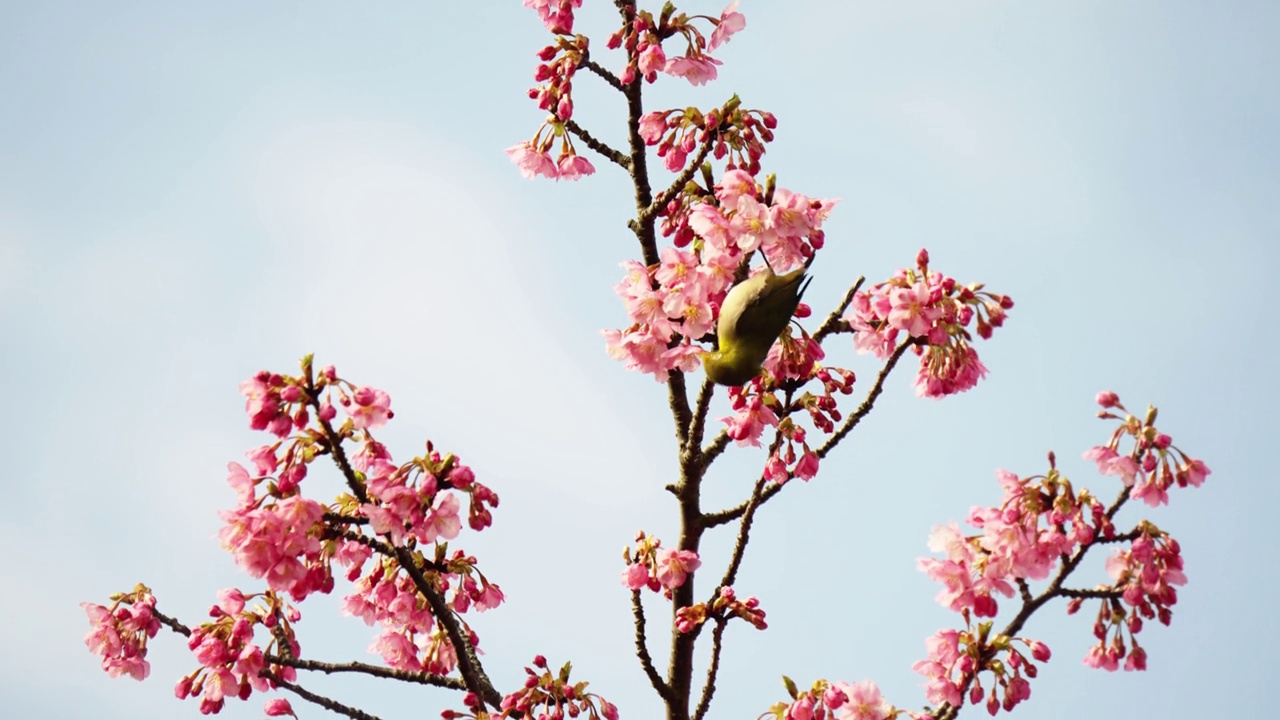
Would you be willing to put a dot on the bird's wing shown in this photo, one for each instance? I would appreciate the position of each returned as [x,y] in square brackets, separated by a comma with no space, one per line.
[763,306]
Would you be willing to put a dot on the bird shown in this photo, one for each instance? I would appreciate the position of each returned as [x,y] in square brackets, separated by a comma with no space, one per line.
[752,316]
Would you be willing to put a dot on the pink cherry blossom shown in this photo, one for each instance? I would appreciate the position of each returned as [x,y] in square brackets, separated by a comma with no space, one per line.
[1112,463]
[640,351]
[263,459]
[439,657]
[752,417]
[674,566]
[231,601]
[697,70]
[912,310]
[267,409]
[944,652]
[1194,472]
[731,21]
[651,58]
[442,521]
[370,408]
[863,702]
[397,651]
[532,162]
[557,15]
[573,167]
[239,480]
[635,576]
[653,126]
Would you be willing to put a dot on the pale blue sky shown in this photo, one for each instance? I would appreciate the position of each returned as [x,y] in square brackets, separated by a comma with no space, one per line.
[190,193]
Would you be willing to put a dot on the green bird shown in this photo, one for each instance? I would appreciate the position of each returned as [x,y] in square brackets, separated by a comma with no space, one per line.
[752,316]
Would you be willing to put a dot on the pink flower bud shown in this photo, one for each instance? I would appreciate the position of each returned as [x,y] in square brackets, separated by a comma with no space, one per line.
[1108,399]
[1039,651]
[275,707]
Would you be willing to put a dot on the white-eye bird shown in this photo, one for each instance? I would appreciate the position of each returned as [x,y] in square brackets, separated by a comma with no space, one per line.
[752,316]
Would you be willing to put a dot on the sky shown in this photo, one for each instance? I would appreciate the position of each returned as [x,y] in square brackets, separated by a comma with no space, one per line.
[190,193]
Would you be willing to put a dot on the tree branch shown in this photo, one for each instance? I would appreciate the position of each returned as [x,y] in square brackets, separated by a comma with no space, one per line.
[728,515]
[681,180]
[614,156]
[715,449]
[709,688]
[835,322]
[693,440]
[642,649]
[420,678]
[322,701]
[867,404]
[602,72]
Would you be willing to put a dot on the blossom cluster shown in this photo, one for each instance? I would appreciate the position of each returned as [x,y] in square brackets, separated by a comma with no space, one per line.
[836,701]
[232,665]
[935,312]
[655,567]
[1145,576]
[560,61]
[119,634]
[958,657]
[410,639]
[724,606]
[673,304]
[399,515]
[1154,466]
[1040,520]
[732,133]
[642,36]
[1045,524]
[544,695]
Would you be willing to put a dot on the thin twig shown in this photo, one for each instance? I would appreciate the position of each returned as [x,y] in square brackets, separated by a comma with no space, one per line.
[327,668]
[728,515]
[758,496]
[744,530]
[171,623]
[642,648]
[1024,590]
[697,427]
[681,180]
[420,678]
[709,688]
[835,322]
[1103,593]
[715,448]
[322,701]
[852,421]
[603,72]
[614,156]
